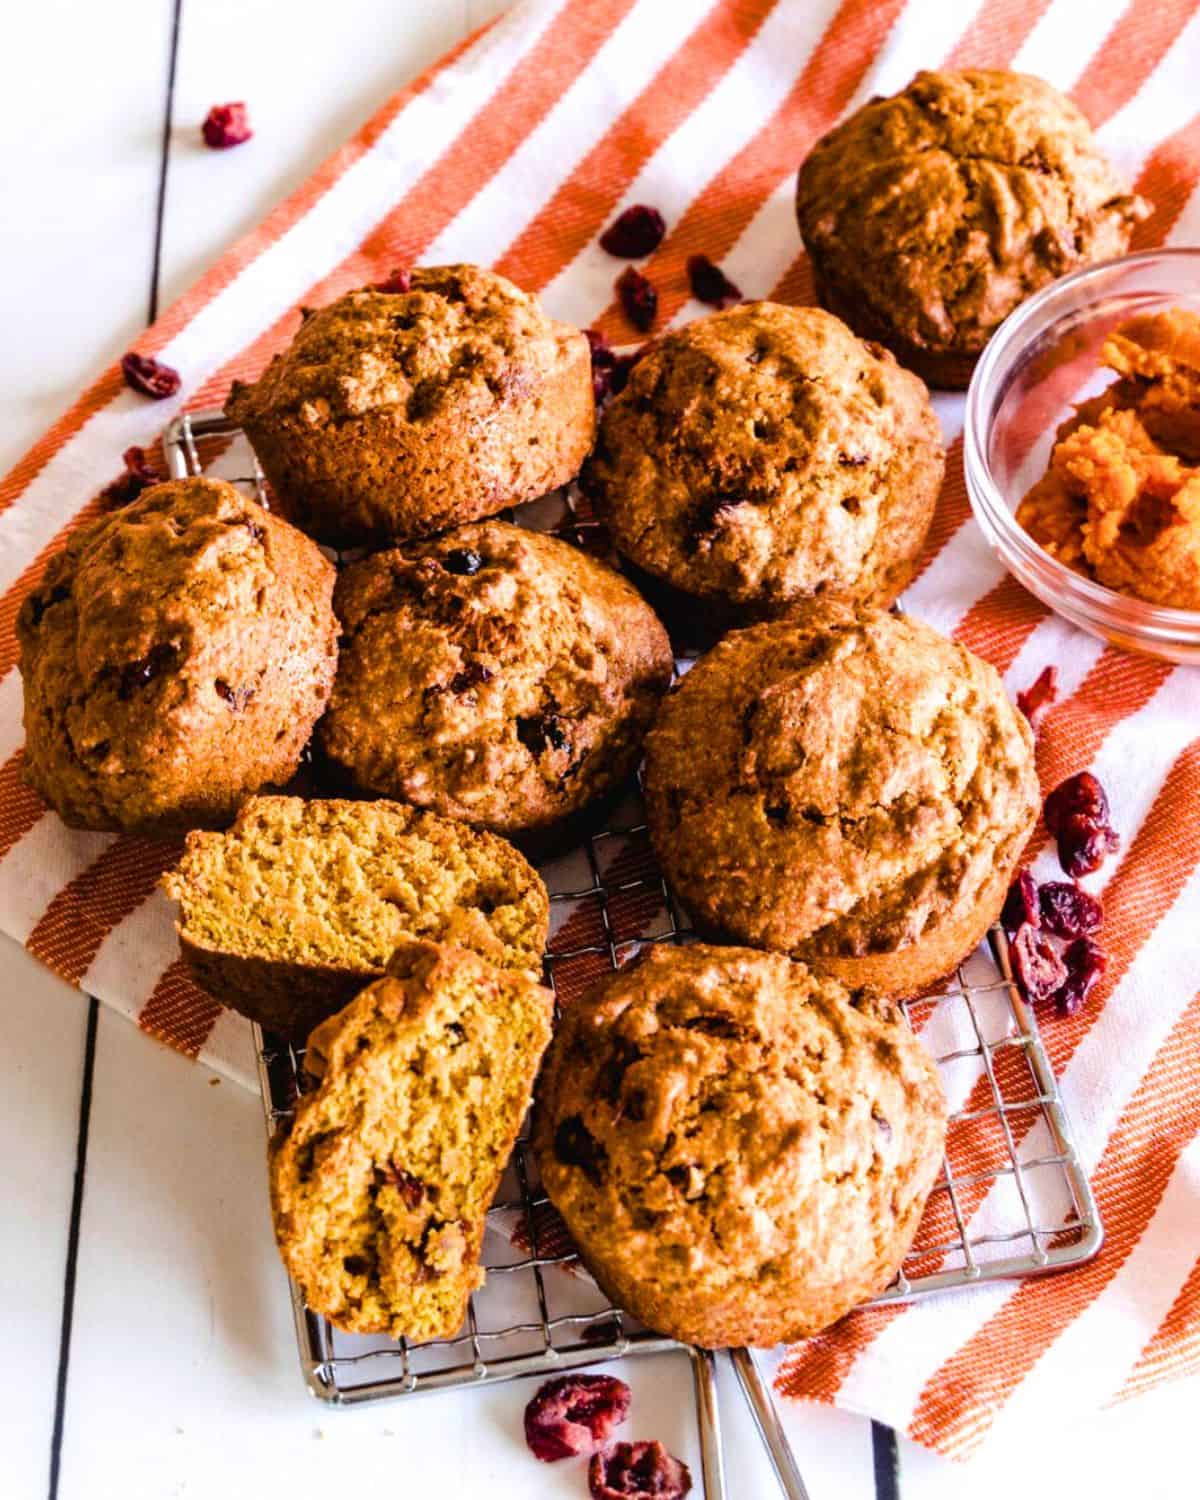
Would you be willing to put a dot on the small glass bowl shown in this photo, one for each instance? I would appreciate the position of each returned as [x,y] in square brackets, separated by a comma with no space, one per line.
[1041,362]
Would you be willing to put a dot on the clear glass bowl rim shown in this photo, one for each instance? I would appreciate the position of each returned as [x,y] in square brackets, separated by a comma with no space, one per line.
[1106,608]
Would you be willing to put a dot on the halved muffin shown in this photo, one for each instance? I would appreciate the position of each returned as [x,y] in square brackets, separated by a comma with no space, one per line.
[291,912]
[381,1181]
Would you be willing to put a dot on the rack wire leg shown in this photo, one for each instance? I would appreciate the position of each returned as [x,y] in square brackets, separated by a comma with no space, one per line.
[704,1376]
[770,1428]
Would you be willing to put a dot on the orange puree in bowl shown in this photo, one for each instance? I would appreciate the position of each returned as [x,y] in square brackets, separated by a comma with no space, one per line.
[1120,502]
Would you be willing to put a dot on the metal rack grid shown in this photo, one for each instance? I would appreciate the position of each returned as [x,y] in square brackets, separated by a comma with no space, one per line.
[1011,1199]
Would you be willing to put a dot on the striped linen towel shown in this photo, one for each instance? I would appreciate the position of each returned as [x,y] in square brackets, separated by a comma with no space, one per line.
[513,152]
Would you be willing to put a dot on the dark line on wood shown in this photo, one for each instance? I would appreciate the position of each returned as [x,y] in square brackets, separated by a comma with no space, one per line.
[164,161]
[885,1453]
[68,1303]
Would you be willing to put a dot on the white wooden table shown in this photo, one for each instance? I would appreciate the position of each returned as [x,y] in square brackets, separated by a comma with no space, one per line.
[147,1338]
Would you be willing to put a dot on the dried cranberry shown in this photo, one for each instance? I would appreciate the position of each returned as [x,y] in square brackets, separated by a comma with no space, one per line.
[226,125]
[1085,962]
[399,281]
[1077,815]
[462,561]
[1034,700]
[1039,970]
[604,362]
[636,232]
[1021,904]
[237,698]
[637,1471]
[128,486]
[576,1146]
[537,731]
[574,1414]
[638,298]
[1069,911]
[471,676]
[411,1189]
[1083,847]
[149,377]
[709,283]
[37,604]
[139,673]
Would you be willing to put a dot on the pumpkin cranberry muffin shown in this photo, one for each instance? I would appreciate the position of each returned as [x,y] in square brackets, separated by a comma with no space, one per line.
[767,458]
[740,1149]
[493,674]
[175,659]
[291,912]
[932,214]
[400,413]
[381,1180]
[855,794]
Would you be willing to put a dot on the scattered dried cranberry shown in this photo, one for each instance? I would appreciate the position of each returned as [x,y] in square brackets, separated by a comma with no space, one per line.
[636,232]
[1034,700]
[637,1471]
[1038,968]
[1068,911]
[400,280]
[1079,796]
[1077,815]
[709,283]
[638,298]
[146,375]
[128,486]
[1085,962]
[462,561]
[1021,904]
[226,125]
[574,1414]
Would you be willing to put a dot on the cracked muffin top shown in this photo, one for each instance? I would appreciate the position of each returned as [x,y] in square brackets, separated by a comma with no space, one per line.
[175,659]
[931,214]
[767,457]
[459,333]
[401,412]
[740,1149]
[493,674]
[839,790]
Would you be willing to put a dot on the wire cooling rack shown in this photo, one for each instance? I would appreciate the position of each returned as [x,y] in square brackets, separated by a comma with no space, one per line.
[1011,1199]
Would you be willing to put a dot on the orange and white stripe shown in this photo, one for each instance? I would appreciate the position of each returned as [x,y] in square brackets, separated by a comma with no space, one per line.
[514,151]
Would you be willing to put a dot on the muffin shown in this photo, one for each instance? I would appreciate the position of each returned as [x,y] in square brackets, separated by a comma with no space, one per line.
[767,458]
[381,1180]
[400,413]
[855,794]
[494,674]
[931,215]
[175,659]
[740,1149]
[289,914]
